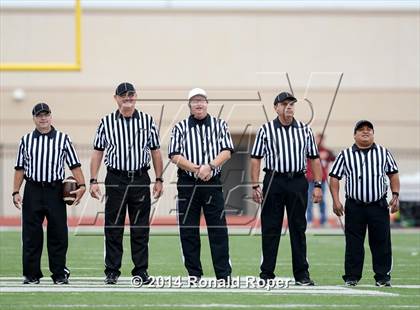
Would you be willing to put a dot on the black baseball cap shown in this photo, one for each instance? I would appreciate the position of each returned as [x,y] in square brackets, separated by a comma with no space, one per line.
[284,96]
[124,88]
[362,123]
[40,107]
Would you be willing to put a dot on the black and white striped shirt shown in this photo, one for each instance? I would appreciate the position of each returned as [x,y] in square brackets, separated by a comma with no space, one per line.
[200,141]
[285,148]
[42,156]
[365,171]
[127,141]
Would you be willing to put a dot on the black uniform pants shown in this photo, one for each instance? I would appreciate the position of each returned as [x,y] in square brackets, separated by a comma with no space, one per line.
[292,193]
[375,217]
[41,202]
[192,196]
[122,193]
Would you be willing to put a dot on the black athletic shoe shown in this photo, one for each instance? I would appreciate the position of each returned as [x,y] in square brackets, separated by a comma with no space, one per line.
[226,280]
[351,283]
[30,280]
[193,280]
[383,283]
[111,278]
[304,282]
[61,280]
[263,281]
[146,279]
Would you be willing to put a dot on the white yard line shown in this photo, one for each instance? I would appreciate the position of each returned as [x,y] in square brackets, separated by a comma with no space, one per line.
[394,286]
[212,306]
[128,279]
[104,289]
[95,284]
[128,285]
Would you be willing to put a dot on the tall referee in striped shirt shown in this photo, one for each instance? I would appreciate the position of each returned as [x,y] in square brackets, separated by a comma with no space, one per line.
[40,161]
[365,167]
[285,144]
[199,146]
[129,139]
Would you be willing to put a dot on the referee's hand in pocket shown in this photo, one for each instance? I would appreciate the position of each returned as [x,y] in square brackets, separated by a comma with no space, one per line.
[95,192]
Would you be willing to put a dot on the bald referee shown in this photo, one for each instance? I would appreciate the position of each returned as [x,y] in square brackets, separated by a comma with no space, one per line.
[366,166]
[40,161]
[130,139]
[199,146]
[285,144]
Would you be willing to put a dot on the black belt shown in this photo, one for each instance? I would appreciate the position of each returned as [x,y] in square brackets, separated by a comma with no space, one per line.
[44,184]
[289,175]
[128,174]
[362,203]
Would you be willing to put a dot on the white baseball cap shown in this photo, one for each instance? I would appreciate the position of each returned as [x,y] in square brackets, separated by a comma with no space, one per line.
[196,91]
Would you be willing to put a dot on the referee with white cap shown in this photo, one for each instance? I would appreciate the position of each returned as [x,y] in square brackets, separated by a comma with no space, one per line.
[199,146]
[285,144]
[40,161]
[366,166]
[130,139]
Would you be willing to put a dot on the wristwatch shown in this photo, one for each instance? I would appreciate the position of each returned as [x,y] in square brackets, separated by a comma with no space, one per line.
[317,184]
[159,180]
[93,181]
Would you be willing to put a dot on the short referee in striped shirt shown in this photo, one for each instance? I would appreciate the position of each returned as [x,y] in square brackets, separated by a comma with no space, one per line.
[40,161]
[285,144]
[365,167]
[199,146]
[130,139]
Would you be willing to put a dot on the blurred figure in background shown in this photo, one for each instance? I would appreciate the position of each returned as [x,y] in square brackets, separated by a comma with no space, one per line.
[327,157]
